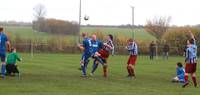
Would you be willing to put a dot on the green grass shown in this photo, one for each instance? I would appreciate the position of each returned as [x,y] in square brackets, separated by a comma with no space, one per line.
[139,34]
[57,74]
[27,32]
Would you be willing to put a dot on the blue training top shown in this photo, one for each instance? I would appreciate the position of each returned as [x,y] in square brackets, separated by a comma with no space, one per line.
[180,71]
[3,40]
[96,46]
[191,54]
[87,45]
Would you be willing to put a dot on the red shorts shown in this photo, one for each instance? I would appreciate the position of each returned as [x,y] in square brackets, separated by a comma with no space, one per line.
[190,67]
[104,54]
[132,59]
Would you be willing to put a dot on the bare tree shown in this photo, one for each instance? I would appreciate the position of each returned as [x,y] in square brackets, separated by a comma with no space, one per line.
[40,11]
[39,14]
[158,26]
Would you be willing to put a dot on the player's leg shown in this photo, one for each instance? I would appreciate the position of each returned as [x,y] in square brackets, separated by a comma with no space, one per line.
[187,71]
[105,68]
[163,55]
[83,69]
[186,80]
[15,70]
[133,65]
[128,67]
[8,69]
[3,66]
[167,55]
[150,55]
[86,63]
[132,70]
[94,67]
[193,75]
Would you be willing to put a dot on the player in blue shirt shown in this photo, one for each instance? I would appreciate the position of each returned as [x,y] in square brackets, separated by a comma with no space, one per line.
[180,73]
[191,60]
[103,54]
[86,46]
[97,45]
[3,44]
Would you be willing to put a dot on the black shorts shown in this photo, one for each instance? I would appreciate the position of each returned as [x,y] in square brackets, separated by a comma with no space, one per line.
[3,57]
[11,68]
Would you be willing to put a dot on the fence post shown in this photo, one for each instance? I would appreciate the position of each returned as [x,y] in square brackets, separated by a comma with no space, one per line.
[31,49]
[156,50]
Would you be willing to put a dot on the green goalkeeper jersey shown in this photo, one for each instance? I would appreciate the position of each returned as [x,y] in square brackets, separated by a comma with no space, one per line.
[12,58]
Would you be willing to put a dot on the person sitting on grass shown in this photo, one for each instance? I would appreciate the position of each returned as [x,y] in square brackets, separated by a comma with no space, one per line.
[11,66]
[180,71]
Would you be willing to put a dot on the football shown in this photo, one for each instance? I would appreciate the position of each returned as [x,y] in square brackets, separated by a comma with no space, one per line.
[86,18]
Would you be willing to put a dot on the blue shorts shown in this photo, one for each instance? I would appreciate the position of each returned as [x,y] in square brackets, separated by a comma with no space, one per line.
[3,57]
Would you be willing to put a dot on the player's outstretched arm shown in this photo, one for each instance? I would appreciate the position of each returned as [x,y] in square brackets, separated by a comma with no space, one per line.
[80,46]
[191,35]
[8,46]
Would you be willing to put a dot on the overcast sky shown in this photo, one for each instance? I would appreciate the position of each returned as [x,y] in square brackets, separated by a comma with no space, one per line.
[105,12]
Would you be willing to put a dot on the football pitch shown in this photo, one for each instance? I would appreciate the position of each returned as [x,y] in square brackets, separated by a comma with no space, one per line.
[58,74]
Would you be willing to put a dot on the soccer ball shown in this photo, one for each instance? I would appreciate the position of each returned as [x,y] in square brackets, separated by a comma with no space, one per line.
[175,79]
[86,18]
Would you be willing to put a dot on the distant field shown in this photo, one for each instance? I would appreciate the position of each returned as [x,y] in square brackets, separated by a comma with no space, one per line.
[58,74]
[139,34]
[27,32]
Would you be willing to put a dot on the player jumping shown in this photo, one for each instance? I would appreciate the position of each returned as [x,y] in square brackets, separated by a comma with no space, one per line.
[86,46]
[104,53]
[191,60]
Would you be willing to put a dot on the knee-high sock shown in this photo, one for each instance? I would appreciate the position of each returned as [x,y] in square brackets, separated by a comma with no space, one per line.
[83,69]
[194,80]
[186,78]
[105,71]
[3,69]
[129,70]
[100,60]
[86,63]
[95,66]
[132,71]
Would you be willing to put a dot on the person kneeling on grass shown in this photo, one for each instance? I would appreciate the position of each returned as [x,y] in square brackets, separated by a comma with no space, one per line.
[180,71]
[11,66]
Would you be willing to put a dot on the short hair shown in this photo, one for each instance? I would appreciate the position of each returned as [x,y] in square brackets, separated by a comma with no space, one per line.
[179,64]
[12,49]
[191,41]
[1,29]
[130,40]
[84,34]
[111,36]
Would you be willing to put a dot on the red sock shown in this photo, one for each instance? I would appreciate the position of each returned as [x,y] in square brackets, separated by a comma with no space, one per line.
[128,69]
[194,81]
[105,71]
[132,72]
[186,78]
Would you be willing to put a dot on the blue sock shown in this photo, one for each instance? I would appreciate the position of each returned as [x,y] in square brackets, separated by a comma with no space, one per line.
[86,63]
[94,67]
[3,69]
[100,60]
[83,70]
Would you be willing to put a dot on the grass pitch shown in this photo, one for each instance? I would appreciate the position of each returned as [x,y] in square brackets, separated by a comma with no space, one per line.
[58,74]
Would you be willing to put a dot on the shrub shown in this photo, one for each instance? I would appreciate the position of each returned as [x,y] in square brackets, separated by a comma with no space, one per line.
[177,38]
